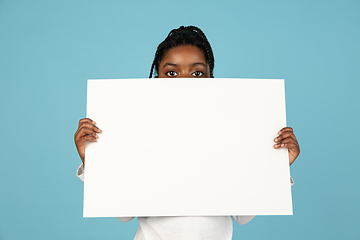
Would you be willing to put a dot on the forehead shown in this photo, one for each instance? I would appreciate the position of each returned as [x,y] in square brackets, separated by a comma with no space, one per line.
[187,53]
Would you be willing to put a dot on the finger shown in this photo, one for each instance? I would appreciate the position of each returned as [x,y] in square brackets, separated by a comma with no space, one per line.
[285,129]
[290,145]
[82,121]
[288,140]
[85,131]
[88,138]
[86,120]
[285,135]
[88,125]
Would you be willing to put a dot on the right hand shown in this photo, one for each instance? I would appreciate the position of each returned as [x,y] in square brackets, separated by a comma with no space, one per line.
[86,132]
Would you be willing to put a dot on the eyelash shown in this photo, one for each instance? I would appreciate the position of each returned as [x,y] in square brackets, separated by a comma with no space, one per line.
[201,74]
[168,73]
[193,74]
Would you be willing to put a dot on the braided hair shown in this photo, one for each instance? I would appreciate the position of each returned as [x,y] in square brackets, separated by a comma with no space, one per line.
[183,36]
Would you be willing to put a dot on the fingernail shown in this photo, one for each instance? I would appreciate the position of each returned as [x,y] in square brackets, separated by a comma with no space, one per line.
[93,122]
[96,136]
[283,145]
[276,139]
[279,133]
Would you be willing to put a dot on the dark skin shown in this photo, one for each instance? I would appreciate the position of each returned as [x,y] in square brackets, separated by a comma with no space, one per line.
[182,62]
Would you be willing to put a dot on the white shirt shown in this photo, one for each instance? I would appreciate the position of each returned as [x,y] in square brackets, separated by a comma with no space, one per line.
[183,228]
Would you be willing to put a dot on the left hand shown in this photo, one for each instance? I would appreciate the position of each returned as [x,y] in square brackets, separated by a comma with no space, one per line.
[287,139]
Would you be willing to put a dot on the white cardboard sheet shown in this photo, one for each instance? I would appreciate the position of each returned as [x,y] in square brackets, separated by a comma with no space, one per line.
[186,147]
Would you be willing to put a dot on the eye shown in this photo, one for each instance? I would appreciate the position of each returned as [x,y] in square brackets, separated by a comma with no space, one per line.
[171,74]
[198,74]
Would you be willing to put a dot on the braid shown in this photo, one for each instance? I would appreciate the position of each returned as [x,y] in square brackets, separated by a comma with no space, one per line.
[189,35]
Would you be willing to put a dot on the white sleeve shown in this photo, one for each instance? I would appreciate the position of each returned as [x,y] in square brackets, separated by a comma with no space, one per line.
[245,219]
[80,173]
[242,219]
[125,219]
[292,181]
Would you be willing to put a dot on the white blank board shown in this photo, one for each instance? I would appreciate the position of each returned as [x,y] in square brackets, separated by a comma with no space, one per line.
[186,147]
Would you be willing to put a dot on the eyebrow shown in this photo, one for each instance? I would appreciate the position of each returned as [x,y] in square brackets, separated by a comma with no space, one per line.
[194,64]
[169,64]
[198,63]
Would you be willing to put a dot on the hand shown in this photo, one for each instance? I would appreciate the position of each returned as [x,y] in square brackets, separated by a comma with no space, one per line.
[86,132]
[287,139]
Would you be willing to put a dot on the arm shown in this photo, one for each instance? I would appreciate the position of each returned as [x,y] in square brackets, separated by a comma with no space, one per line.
[87,131]
[286,139]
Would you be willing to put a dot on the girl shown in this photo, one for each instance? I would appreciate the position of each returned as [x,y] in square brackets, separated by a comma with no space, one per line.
[185,53]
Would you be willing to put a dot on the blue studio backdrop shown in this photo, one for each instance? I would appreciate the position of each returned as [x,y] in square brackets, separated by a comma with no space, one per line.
[48,49]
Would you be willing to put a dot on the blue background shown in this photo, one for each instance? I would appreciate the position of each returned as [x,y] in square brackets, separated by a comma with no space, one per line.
[48,49]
